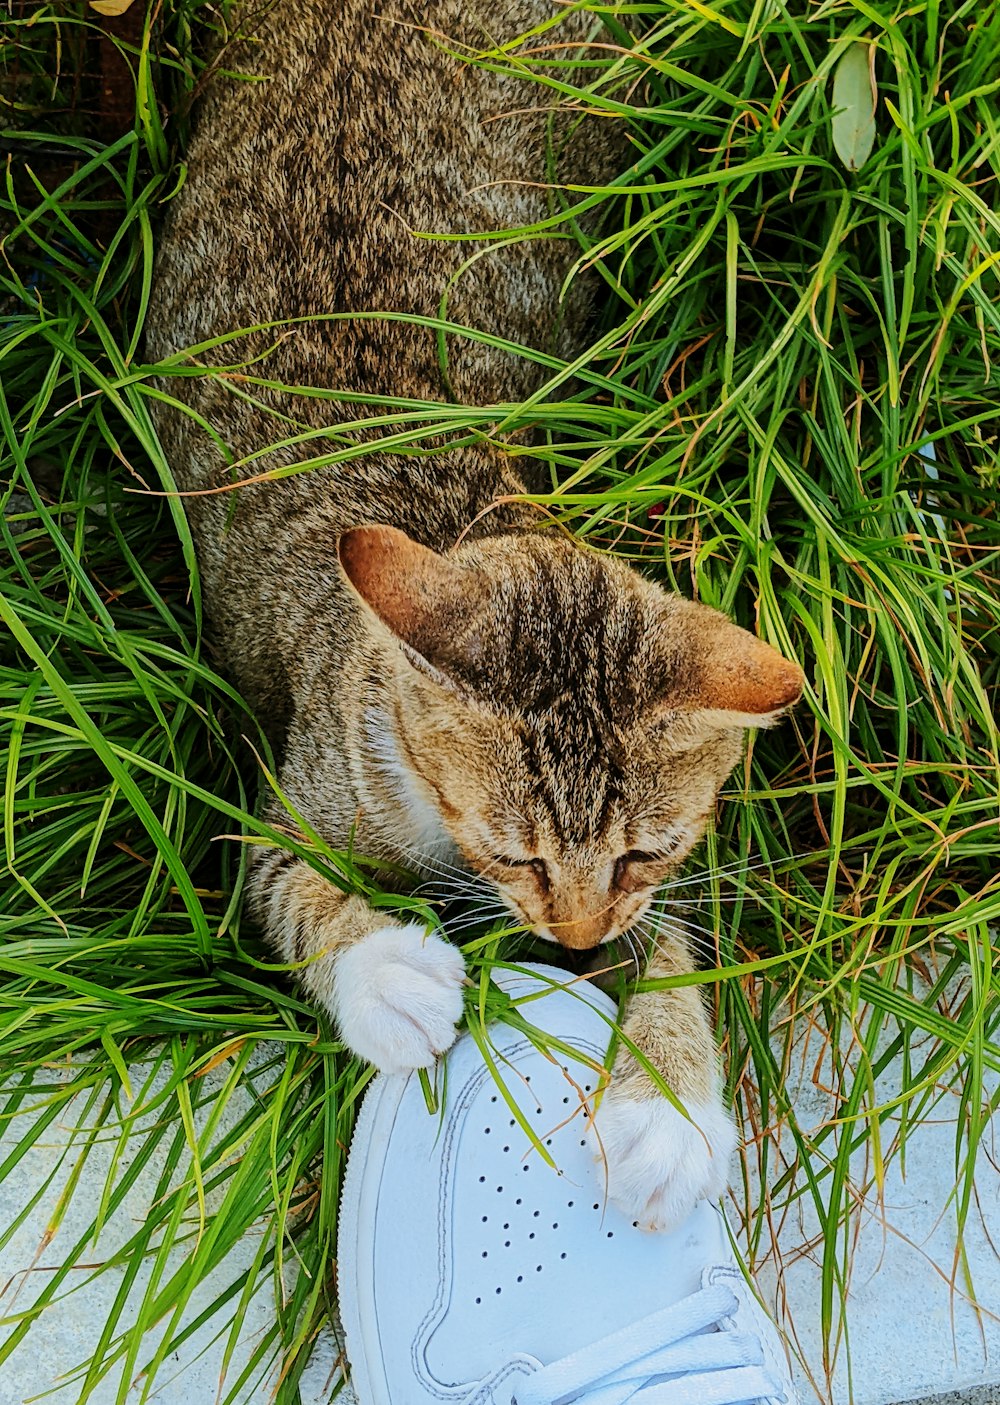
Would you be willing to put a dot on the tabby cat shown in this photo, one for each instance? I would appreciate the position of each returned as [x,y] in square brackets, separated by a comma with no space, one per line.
[447,684]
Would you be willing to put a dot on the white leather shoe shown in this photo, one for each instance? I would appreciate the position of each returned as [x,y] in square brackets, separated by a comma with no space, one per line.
[472,1272]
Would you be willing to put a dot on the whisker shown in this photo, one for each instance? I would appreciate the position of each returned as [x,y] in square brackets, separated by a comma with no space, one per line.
[637,950]
[733,868]
[657,926]
[479,919]
[663,922]
[428,863]
[710,900]
[669,912]
[453,893]
[693,942]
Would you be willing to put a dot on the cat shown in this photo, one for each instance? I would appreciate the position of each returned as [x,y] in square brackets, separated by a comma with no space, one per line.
[448,685]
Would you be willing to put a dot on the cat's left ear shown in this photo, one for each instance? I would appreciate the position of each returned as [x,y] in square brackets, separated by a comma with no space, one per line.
[425,600]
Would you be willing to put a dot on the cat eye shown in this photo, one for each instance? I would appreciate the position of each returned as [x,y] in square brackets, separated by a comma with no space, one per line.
[628,880]
[537,867]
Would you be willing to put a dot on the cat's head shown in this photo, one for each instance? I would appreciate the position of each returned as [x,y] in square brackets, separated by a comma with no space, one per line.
[567,722]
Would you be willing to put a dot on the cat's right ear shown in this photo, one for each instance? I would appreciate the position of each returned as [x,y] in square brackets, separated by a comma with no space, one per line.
[424,599]
[730,678]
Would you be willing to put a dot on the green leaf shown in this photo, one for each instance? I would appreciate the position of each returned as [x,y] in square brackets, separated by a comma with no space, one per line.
[854,99]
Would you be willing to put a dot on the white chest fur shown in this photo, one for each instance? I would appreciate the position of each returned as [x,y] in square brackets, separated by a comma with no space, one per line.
[415,820]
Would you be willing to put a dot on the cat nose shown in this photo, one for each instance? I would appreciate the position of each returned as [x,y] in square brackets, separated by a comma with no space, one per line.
[581,933]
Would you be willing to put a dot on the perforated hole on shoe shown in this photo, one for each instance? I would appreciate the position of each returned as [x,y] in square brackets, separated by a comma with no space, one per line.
[544,1214]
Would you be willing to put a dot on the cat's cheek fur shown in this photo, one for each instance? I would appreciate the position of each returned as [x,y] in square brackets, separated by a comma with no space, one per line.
[397,997]
[658,1164]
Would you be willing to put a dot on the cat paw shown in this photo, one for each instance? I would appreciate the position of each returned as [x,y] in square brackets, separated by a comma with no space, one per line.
[398,997]
[658,1165]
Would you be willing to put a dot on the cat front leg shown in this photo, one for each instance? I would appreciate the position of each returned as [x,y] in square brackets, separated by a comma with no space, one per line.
[657,1161]
[393,988]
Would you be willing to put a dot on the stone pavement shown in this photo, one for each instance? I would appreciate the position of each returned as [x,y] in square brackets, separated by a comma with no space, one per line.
[981,1395]
[917,1323]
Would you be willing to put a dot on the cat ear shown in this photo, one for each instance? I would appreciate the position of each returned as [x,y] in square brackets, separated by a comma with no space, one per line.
[738,680]
[423,598]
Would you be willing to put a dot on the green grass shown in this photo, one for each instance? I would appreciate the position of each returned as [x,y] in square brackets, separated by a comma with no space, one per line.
[783,344]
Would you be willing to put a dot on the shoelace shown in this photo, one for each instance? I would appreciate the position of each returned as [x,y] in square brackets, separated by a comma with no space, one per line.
[709,1367]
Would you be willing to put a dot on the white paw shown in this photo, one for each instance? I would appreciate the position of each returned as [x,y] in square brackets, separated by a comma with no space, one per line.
[658,1164]
[397,997]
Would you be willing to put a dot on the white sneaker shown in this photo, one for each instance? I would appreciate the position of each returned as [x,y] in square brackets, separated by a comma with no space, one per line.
[472,1272]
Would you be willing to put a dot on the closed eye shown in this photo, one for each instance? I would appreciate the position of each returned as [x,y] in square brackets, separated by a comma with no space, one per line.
[537,867]
[625,877]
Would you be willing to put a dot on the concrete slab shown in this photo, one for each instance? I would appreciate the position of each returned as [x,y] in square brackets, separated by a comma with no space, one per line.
[65,1333]
[921,1310]
[985,1395]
